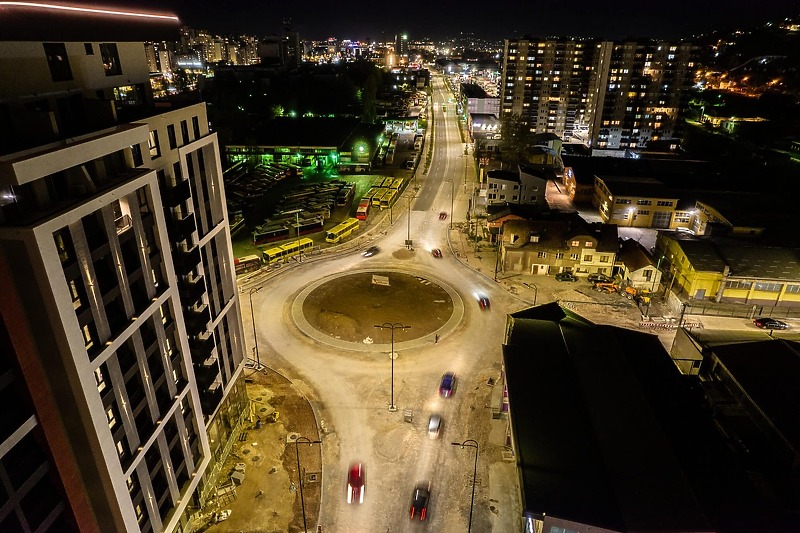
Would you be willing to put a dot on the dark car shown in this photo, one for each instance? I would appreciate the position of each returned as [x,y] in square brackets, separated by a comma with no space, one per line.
[356,483]
[599,278]
[483,302]
[566,276]
[436,253]
[770,323]
[369,252]
[448,385]
[419,500]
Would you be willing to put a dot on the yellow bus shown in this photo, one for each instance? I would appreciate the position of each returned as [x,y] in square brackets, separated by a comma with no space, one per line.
[387,182]
[376,200]
[342,230]
[397,183]
[281,253]
[388,198]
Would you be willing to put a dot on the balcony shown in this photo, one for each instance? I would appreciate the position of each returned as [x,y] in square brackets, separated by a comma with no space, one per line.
[185,262]
[182,229]
[192,291]
[178,194]
[197,319]
[201,349]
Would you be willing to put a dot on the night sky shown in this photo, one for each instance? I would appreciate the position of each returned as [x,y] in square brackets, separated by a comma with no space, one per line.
[492,19]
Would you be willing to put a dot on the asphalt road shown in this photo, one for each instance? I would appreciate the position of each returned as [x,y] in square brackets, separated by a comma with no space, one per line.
[351,385]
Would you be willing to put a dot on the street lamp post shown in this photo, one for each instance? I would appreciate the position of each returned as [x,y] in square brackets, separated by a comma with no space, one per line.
[297,442]
[408,233]
[255,333]
[471,444]
[452,200]
[392,326]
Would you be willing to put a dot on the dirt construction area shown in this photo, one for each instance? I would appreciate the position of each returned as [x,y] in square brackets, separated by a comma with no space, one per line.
[383,297]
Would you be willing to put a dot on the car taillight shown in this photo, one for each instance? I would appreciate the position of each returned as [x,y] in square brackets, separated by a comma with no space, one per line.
[423,513]
[412,511]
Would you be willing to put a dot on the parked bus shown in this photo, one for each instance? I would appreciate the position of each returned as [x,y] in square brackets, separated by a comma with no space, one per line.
[363,209]
[345,195]
[342,230]
[386,183]
[275,232]
[388,199]
[397,183]
[283,252]
[376,200]
[390,156]
[248,263]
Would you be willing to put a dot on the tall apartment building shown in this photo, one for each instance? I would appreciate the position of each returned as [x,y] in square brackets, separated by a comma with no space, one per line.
[612,96]
[120,327]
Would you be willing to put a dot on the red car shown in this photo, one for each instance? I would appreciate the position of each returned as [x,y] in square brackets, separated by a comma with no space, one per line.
[356,483]
[437,253]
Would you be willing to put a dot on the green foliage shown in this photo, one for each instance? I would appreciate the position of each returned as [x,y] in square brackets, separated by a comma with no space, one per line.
[514,142]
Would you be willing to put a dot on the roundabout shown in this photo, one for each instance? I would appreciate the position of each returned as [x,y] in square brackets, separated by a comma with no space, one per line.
[342,310]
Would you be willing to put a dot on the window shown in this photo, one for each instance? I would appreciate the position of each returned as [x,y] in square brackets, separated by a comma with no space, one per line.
[184,132]
[587,258]
[664,203]
[575,244]
[542,255]
[574,257]
[588,244]
[604,259]
[733,284]
[196,127]
[155,148]
[101,382]
[793,288]
[111,64]
[173,141]
[559,255]
[136,154]
[767,286]
[622,201]
[89,49]
[644,202]
[648,274]
[57,60]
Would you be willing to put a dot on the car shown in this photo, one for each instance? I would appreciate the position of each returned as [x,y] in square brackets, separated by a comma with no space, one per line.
[436,253]
[409,165]
[419,500]
[434,426]
[448,385]
[566,276]
[356,483]
[483,302]
[369,252]
[769,323]
[442,215]
[599,278]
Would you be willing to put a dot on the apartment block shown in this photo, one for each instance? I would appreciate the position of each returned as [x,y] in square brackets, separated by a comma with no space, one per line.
[611,96]
[120,325]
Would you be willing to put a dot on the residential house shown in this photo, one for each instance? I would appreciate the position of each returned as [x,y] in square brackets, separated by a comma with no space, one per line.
[636,266]
[526,185]
[558,242]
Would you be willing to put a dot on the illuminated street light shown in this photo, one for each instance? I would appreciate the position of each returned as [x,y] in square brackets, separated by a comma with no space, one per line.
[304,440]
[255,333]
[471,444]
[392,326]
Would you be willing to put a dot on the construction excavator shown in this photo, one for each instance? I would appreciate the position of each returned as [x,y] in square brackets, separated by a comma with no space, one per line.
[606,286]
[640,296]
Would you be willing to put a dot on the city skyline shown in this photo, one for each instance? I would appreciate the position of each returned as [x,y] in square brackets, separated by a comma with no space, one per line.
[318,20]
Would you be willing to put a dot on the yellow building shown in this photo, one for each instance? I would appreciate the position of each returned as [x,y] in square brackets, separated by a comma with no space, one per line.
[725,270]
[640,202]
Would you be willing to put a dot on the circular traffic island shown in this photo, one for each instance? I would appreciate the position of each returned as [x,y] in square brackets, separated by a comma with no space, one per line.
[347,308]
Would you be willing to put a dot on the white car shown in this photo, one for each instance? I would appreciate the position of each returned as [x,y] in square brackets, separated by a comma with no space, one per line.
[434,426]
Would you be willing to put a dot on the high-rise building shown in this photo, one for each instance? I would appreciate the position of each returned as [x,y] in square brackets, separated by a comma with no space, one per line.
[120,327]
[611,96]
